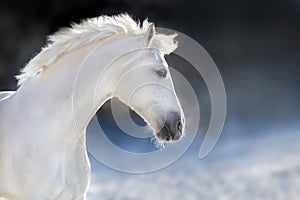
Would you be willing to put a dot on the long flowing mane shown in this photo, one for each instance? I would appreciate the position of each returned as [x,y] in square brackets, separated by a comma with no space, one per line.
[91,30]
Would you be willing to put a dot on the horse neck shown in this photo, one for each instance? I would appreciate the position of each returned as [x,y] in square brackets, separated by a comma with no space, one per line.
[71,90]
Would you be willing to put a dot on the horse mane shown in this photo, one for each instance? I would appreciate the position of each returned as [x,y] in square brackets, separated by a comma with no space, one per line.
[86,32]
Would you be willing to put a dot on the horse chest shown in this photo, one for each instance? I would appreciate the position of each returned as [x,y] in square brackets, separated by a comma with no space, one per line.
[77,174]
[60,177]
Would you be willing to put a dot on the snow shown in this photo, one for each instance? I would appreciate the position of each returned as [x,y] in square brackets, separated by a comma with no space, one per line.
[263,166]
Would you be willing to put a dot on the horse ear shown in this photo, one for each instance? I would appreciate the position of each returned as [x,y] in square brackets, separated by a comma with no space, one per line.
[150,33]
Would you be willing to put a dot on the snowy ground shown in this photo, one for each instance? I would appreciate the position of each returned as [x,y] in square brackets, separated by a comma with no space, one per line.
[263,166]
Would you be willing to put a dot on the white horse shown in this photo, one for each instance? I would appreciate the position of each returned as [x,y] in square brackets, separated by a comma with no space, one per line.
[43,123]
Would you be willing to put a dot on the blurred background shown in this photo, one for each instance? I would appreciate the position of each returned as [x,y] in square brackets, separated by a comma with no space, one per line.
[255,45]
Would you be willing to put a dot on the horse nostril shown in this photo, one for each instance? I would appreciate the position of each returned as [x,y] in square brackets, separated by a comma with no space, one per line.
[179,126]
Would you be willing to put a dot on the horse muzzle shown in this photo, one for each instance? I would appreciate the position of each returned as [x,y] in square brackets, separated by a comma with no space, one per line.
[172,129]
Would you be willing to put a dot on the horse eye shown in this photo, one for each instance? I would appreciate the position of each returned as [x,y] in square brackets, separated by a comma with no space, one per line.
[162,73]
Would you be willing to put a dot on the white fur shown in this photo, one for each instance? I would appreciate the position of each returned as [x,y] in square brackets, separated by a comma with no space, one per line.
[6,94]
[43,124]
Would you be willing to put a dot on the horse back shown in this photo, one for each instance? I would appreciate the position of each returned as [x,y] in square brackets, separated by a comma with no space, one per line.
[6,94]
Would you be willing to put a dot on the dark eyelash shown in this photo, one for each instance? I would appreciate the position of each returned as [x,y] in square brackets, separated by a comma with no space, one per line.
[162,73]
